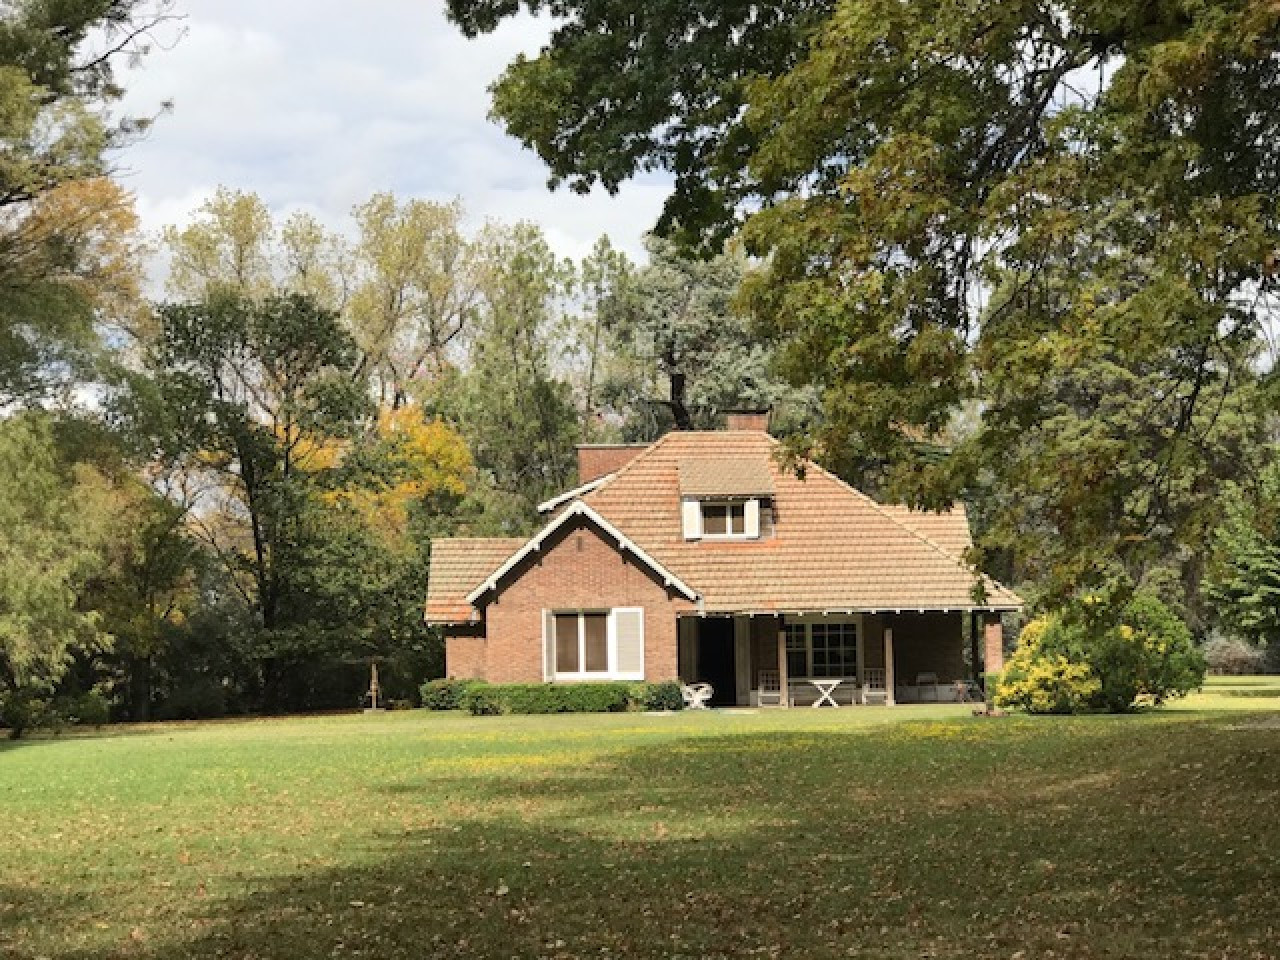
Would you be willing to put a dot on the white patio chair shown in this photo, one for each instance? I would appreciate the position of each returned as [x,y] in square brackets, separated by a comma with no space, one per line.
[770,690]
[696,695]
[874,686]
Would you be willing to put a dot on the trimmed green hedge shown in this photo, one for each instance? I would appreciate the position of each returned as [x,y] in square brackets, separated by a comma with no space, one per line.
[445,694]
[656,696]
[484,699]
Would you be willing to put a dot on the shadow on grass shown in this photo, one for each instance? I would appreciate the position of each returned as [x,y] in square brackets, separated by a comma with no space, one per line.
[157,728]
[25,911]
[922,840]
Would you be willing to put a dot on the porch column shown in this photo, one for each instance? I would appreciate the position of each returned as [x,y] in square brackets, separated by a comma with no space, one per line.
[784,698]
[742,672]
[975,653]
[888,666]
[993,643]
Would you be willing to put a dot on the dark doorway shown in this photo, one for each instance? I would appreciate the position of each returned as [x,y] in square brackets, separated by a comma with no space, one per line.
[715,659]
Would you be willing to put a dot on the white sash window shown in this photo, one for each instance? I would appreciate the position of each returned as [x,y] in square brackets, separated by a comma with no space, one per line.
[594,644]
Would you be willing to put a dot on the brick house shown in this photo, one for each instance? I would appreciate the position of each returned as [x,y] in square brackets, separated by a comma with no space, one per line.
[699,557]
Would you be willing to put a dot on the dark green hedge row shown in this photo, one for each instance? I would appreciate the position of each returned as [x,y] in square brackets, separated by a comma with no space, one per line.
[484,699]
[445,694]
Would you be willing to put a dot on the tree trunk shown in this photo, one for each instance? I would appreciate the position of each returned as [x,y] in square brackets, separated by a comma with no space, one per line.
[140,689]
[676,403]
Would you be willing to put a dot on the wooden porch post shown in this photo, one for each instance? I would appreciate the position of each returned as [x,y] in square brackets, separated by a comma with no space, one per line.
[975,656]
[888,666]
[784,698]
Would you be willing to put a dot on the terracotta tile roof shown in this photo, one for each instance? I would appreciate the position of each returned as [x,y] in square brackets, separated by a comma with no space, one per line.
[948,529]
[725,477]
[598,459]
[457,566]
[833,548]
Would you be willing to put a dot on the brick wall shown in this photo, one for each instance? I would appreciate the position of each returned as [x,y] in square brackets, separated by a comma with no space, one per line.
[464,652]
[747,420]
[576,569]
[993,643]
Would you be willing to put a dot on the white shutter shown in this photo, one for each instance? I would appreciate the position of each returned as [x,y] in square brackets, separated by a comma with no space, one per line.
[627,627]
[752,516]
[691,512]
[548,646]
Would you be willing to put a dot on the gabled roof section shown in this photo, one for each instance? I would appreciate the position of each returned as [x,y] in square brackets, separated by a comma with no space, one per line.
[833,548]
[457,565]
[580,509]
[595,460]
[546,506]
[949,529]
[746,477]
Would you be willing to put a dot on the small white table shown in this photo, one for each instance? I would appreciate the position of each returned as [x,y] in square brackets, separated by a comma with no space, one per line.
[826,690]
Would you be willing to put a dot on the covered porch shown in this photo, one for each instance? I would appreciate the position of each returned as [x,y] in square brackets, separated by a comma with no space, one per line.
[841,659]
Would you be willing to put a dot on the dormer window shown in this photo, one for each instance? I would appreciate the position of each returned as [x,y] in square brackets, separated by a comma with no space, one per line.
[749,519]
[729,499]
[725,519]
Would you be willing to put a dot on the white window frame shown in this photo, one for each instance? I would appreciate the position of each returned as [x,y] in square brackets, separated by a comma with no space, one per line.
[744,533]
[611,644]
[807,622]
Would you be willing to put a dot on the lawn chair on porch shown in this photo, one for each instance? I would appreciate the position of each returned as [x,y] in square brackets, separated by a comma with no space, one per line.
[875,687]
[927,686]
[769,693]
[696,695]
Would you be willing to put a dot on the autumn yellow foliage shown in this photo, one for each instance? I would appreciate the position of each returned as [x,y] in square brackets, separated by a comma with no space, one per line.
[427,457]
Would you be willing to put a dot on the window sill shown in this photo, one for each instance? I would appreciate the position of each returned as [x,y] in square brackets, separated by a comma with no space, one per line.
[596,678]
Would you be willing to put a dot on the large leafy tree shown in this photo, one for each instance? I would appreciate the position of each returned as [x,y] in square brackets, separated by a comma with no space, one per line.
[253,393]
[57,517]
[414,290]
[147,589]
[67,235]
[681,352]
[1061,215]
[70,268]
[405,284]
[624,87]
[315,508]
[513,400]
[232,246]
[1243,583]
[1045,208]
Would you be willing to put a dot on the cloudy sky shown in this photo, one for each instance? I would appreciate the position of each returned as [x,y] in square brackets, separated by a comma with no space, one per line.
[316,104]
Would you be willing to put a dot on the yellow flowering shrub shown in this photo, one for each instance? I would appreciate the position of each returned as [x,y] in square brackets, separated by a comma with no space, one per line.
[1040,682]
[1095,657]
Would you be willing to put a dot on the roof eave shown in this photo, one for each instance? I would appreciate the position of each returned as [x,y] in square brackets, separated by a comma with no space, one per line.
[581,509]
[546,506]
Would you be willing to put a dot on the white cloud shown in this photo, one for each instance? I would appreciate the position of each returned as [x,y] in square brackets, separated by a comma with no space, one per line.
[315,108]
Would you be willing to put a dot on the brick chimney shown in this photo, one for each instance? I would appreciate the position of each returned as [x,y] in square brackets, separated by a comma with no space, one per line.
[595,460]
[747,420]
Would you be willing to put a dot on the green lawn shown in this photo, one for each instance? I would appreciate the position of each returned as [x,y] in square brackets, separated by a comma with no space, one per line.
[906,832]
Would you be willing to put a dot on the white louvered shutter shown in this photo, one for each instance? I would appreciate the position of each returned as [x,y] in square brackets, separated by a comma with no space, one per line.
[752,517]
[548,645]
[691,516]
[628,643]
